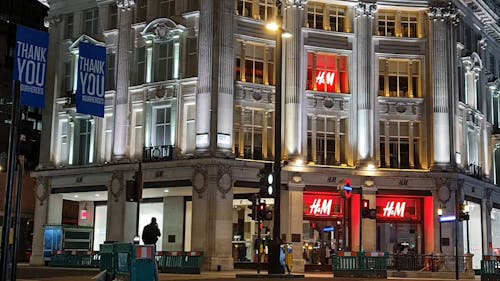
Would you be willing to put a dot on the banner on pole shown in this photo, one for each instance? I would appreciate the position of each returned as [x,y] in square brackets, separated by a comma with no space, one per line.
[91,75]
[30,65]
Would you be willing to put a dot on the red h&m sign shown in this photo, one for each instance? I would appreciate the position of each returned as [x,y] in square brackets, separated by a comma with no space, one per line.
[322,205]
[394,208]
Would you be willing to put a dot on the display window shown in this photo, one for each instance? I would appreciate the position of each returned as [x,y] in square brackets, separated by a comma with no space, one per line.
[327,73]
[473,236]
[495,234]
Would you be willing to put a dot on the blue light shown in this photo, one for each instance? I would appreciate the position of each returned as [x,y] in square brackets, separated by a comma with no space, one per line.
[328,229]
[348,188]
[447,219]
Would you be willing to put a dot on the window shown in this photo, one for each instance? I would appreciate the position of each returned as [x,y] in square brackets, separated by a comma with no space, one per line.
[190,128]
[68,29]
[108,137]
[140,56]
[399,78]
[336,18]
[110,76]
[472,145]
[315,15]
[192,57]
[113,16]
[138,134]
[253,134]
[399,144]
[386,23]
[409,23]
[167,8]
[90,21]
[258,65]
[164,61]
[83,142]
[141,10]
[161,134]
[267,10]
[326,141]
[245,8]
[67,87]
[327,73]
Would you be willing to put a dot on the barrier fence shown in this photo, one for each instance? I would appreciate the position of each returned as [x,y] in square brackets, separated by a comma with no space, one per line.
[433,263]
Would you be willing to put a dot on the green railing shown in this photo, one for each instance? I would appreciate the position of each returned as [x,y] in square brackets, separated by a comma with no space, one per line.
[360,264]
[490,268]
[180,262]
[75,259]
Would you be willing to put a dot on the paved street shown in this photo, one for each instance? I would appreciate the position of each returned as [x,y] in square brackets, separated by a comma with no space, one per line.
[29,273]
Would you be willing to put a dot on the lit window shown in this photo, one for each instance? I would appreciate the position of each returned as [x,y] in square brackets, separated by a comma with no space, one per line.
[267,10]
[140,56]
[83,144]
[399,144]
[386,23]
[253,134]
[326,141]
[409,23]
[257,66]
[327,73]
[336,18]
[90,21]
[245,8]
[315,13]
[398,24]
[399,78]
[161,134]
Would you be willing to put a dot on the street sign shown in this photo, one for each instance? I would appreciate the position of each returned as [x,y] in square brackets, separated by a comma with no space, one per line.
[30,65]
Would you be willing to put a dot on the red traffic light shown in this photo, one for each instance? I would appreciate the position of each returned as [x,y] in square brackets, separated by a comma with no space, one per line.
[365,204]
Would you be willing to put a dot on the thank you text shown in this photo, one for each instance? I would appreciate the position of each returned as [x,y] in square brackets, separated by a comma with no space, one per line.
[91,77]
[30,65]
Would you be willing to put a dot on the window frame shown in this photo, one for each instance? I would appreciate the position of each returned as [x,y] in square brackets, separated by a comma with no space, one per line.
[166,125]
[93,21]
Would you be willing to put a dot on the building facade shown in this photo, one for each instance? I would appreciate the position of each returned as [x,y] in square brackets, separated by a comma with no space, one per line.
[399,97]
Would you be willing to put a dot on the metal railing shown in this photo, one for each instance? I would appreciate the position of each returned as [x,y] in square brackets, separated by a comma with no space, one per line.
[426,263]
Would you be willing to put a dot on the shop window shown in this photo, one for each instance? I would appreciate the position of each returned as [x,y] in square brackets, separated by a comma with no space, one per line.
[164,61]
[90,21]
[326,140]
[409,23]
[399,78]
[326,17]
[253,137]
[399,144]
[167,8]
[327,73]
[110,77]
[254,63]
[161,133]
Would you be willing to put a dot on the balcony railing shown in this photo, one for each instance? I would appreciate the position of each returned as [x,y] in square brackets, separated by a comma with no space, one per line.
[158,153]
[475,171]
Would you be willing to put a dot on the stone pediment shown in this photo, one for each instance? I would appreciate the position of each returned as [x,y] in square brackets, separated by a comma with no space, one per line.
[162,29]
[86,39]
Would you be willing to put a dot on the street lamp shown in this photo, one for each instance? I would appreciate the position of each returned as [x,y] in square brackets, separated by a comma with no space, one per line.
[464,215]
[440,213]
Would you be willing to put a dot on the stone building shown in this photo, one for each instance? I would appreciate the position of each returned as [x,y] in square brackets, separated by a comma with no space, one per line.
[399,97]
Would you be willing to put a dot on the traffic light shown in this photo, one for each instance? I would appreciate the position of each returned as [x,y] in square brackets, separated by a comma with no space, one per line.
[267,181]
[365,208]
[254,213]
[261,212]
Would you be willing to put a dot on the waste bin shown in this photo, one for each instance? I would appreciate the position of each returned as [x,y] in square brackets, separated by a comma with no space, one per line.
[134,262]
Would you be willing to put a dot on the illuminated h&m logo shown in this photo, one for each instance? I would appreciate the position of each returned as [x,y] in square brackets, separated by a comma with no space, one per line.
[321,207]
[325,77]
[394,209]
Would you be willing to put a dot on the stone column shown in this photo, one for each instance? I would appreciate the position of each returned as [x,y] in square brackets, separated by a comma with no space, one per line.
[41,211]
[213,214]
[364,95]
[214,99]
[292,85]
[54,214]
[292,202]
[48,147]
[121,215]
[440,37]
[369,226]
[121,107]
[173,222]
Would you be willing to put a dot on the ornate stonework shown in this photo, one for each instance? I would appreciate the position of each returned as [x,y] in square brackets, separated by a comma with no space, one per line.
[162,29]
[224,179]
[200,179]
[125,4]
[444,13]
[301,4]
[366,9]
[116,185]
[42,189]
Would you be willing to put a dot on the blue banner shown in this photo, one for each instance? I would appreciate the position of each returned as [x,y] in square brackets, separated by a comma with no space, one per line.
[90,86]
[30,64]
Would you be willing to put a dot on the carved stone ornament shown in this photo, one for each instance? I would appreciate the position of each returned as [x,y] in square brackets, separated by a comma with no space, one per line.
[444,13]
[200,179]
[125,4]
[443,189]
[301,4]
[42,189]
[116,185]
[366,9]
[224,179]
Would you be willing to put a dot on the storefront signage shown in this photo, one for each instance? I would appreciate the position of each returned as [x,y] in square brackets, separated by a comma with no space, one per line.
[325,77]
[91,76]
[394,209]
[321,205]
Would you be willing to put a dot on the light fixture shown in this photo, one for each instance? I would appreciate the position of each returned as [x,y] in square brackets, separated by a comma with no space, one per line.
[369,181]
[440,211]
[137,239]
[165,190]
[466,207]
[76,196]
[370,166]
[286,35]
[97,195]
[273,26]
[297,178]
[84,213]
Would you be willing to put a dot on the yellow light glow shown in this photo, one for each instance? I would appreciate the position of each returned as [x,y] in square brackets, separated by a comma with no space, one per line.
[286,35]
[440,212]
[273,26]
[370,167]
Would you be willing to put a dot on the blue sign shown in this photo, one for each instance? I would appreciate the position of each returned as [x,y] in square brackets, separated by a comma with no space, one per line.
[90,86]
[30,65]
[447,218]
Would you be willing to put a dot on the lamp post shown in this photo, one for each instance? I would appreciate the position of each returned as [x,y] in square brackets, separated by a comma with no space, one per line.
[465,210]
[440,213]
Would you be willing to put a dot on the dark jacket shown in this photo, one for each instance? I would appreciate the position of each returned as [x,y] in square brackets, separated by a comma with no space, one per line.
[150,233]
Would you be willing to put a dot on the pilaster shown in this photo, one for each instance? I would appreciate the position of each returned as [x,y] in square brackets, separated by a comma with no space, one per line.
[441,42]
[173,217]
[369,226]
[121,107]
[121,215]
[293,100]
[486,206]
[364,95]
[292,201]
[212,216]
[40,220]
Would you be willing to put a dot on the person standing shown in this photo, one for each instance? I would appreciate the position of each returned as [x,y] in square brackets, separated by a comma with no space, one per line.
[150,233]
